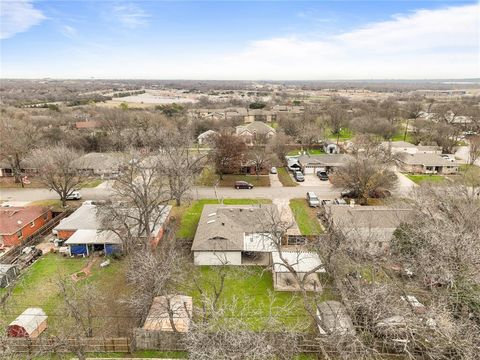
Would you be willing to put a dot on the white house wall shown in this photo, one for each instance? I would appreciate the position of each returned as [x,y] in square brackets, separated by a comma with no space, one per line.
[217,258]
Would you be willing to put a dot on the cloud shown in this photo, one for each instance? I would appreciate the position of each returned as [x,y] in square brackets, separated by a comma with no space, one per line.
[423,44]
[68,31]
[130,15]
[18,16]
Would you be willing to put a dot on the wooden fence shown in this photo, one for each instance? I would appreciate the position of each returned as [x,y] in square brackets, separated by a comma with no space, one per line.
[55,345]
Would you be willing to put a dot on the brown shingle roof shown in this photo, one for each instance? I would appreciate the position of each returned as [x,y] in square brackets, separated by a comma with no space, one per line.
[12,219]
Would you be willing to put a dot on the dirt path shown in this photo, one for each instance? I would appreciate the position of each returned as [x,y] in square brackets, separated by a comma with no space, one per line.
[87,270]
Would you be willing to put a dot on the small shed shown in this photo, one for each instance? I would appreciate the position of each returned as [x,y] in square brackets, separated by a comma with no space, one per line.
[30,324]
[8,273]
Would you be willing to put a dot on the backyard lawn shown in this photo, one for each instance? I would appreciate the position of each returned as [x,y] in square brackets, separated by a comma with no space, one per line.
[306,151]
[431,179]
[285,178]
[248,294]
[191,215]
[36,287]
[306,217]
[345,134]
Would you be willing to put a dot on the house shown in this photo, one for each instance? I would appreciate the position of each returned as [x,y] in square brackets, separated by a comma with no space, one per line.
[397,147]
[310,164]
[259,115]
[30,324]
[179,307]
[331,147]
[8,274]
[292,163]
[84,232]
[234,235]
[302,263]
[428,164]
[256,131]
[17,222]
[206,137]
[105,165]
[334,319]
[369,228]
[26,168]
[292,109]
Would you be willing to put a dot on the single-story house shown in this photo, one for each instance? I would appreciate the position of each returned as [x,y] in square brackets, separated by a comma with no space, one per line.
[302,263]
[255,131]
[17,223]
[179,306]
[369,228]
[397,147]
[85,242]
[428,164]
[259,115]
[206,137]
[8,273]
[234,235]
[84,232]
[330,147]
[27,167]
[101,164]
[334,319]
[295,109]
[310,164]
[30,324]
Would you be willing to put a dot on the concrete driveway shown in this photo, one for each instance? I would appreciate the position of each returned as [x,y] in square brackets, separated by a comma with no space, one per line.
[312,180]
[286,215]
[404,186]
[274,181]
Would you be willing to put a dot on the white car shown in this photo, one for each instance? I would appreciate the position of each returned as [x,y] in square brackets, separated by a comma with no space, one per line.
[74,195]
[273,170]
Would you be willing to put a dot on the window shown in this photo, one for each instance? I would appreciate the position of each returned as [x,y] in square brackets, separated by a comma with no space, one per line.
[32,224]
[19,234]
[45,216]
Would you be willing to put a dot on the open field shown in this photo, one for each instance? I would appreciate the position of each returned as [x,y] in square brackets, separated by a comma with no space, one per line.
[306,217]
[191,215]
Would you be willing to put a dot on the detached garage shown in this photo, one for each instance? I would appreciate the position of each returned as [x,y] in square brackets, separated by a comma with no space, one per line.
[30,324]
[86,242]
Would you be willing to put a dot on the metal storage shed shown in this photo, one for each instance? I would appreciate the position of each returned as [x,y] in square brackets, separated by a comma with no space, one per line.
[31,323]
[8,273]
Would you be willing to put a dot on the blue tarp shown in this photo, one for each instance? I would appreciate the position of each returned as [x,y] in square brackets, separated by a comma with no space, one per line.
[79,249]
[111,249]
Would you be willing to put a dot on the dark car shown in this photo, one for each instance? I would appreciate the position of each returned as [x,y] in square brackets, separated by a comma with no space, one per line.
[243,185]
[322,175]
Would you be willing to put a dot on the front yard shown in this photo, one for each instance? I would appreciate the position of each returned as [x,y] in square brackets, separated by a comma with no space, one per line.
[431,179]
[191,215]
[209,178]
[306,217]
[285,178]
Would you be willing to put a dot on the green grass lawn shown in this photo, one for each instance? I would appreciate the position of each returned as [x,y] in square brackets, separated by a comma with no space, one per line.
[345,134]
[285,178]
[306,217]
[36,286]
[400,135]
[191,215]
[307,151]
[208,177]
[432,179]
[91,183]
[248,294]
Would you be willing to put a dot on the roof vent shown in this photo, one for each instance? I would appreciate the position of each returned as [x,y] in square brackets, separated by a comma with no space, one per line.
[212,214]
[223,224]
[210,221]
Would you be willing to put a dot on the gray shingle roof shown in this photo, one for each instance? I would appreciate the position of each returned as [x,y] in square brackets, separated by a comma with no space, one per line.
[427,160]
[222,227]
[258,127]
[324,159]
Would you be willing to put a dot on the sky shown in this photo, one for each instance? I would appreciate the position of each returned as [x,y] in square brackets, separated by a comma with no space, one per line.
[240,40]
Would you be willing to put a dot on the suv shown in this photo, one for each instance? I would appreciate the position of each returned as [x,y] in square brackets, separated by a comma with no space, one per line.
[312,199]
[74,195]
[298,176]
[322,175]
[243,185]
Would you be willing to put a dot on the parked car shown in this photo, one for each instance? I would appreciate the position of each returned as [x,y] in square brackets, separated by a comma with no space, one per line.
[299,176]
[340,202]
[273,170]
[327,202]
[322,175]
[312,199]
[243,185]
[74,195]
[348,194]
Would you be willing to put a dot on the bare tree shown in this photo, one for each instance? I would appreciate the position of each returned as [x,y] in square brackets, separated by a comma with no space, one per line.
[259,157]
[58,169]
[474,149]
[278,145]
[374,125]
[337,117]
[413,111]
